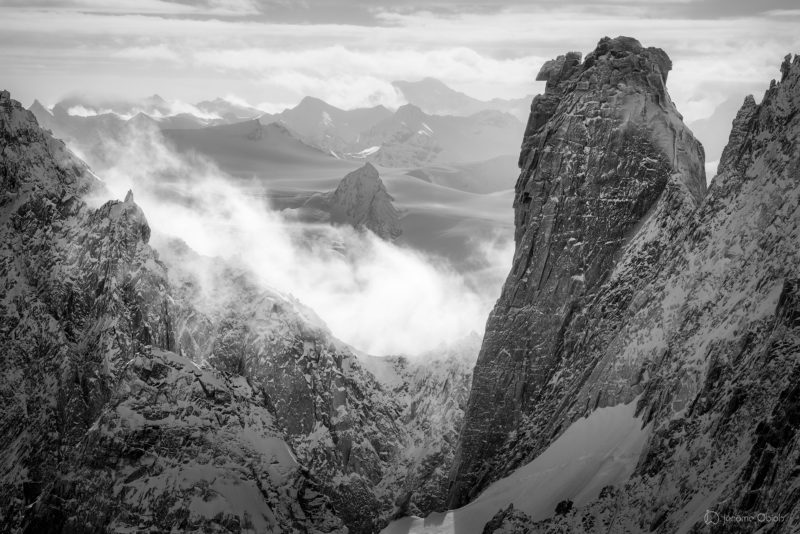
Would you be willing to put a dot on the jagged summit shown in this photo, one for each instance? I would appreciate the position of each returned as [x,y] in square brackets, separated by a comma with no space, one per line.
[361,200]
[18,166]
[365,173]
[632,79]
[37,107]
[605,157]
[628,291]
[715,338]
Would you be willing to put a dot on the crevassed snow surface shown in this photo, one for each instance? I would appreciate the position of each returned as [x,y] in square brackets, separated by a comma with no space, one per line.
[593,452]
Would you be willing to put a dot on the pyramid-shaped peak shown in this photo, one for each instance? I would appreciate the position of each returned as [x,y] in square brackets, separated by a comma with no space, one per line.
[38,106]
[313,103]
[368,169]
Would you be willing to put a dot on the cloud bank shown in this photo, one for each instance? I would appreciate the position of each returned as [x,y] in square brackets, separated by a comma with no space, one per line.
[277,52]
[376,296]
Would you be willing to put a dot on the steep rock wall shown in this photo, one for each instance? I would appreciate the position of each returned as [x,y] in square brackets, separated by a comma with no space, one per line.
[609,174]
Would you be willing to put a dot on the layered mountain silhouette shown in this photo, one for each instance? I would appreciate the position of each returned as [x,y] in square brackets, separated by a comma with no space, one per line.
[407,137]
[638,373]
[436,98]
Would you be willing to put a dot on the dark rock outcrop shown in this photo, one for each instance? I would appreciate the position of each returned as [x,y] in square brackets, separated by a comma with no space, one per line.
[725,461]
[360,200]
[605,155]
[508,521]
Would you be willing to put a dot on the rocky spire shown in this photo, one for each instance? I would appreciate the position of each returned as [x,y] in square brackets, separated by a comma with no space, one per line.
[605,154]
[741,125]
[708,346]
[361,200]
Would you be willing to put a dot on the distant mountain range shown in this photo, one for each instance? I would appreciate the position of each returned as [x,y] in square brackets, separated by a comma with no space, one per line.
[438,125]
[434,97]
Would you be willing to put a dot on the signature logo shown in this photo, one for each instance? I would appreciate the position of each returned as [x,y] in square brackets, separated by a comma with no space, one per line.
[711,517]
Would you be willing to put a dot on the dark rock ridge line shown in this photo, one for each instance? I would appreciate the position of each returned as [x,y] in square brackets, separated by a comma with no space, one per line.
[605,154]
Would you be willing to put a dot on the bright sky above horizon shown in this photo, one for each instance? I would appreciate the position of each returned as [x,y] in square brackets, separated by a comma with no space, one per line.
[271,53]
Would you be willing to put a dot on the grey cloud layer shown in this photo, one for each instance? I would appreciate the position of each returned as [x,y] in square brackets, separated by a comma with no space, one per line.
[277,51]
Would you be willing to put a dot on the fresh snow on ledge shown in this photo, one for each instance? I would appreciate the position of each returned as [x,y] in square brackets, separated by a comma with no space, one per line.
[596,451]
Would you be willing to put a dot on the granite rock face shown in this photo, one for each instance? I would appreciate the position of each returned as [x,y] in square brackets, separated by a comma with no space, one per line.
[722,389]
[605,154]
[697,320]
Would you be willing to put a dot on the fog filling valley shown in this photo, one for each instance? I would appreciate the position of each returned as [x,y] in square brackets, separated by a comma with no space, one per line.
[379,297]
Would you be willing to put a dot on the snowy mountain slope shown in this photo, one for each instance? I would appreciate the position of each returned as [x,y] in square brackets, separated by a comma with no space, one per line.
[182,448]
[593,453]
[706,338]
[167,114]
[89,130]
[93,399]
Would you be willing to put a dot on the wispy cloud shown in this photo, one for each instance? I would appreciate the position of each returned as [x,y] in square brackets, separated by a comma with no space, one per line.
[148,53]
[275,51]
[357,283]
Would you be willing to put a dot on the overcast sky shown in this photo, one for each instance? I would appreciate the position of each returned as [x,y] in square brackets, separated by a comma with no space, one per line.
[272,52]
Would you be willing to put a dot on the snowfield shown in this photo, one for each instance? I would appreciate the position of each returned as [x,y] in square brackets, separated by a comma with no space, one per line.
[600,450]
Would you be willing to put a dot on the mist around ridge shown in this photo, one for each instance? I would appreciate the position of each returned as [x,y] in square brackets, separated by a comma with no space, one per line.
[377,296]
